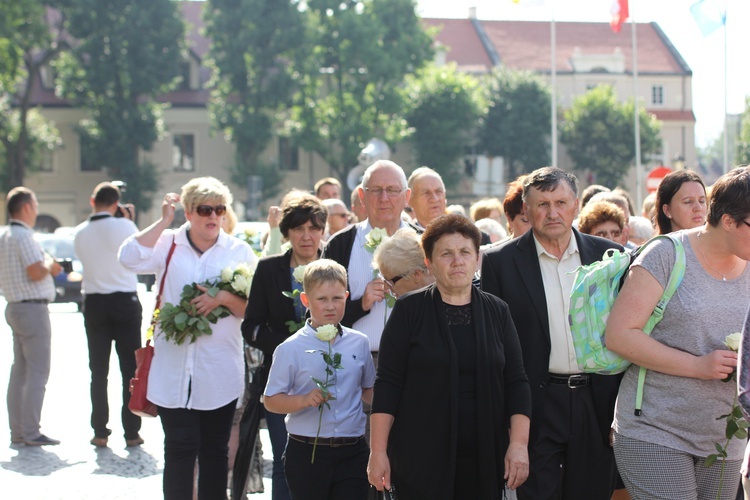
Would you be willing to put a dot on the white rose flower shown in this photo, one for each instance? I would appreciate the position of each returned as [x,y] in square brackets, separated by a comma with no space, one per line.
[326,333]
[733,341]
[226,274]
[375,237]
[245,270]
[240,283]
[299,273]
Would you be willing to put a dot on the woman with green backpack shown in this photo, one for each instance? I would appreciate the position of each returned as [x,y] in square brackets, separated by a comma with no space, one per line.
[663,451]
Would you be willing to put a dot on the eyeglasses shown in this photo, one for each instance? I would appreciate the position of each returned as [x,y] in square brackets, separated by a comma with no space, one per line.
[339,215]
[745,222]
[392,192]
[392,282]
[206,210]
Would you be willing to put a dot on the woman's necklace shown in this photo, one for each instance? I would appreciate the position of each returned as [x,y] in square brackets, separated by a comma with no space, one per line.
[708,263]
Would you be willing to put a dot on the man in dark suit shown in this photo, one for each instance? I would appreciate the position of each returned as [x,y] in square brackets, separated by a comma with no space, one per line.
[569,451]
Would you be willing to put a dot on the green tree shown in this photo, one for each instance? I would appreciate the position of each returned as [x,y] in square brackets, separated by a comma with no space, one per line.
[598,134]
[126,53]
[254,47]
[743,141]
[444,106]
[362,51]
[517,124]
[26,44]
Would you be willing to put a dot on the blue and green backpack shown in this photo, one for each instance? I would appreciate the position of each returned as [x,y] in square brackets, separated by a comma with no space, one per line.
[594,291]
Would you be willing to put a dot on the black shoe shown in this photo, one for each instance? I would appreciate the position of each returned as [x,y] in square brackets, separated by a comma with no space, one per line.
[42,440]
[136,441]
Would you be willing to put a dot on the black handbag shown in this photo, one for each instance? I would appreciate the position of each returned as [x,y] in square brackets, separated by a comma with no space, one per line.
[374,494]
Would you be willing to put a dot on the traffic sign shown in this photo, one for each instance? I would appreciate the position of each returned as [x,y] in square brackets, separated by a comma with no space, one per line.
[654,177]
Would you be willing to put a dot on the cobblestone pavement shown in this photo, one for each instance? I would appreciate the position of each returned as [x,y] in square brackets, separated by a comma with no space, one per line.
[76,470]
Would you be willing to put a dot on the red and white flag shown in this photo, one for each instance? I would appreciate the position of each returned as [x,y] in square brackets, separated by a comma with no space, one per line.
[620,14]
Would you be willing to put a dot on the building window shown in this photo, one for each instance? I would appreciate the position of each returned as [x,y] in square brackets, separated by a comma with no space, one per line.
[88,155]
[47,157]
[288,154]
[185,74]
[657,94]
[183,153]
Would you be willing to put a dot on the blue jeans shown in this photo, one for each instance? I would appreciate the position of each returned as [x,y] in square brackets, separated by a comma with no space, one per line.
[277,433]
[191,434]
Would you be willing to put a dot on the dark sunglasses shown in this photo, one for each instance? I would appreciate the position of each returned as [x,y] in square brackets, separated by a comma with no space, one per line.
[206,210]
[392,282]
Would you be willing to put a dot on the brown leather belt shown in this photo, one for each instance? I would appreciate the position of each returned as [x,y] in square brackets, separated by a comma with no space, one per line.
[572,381]
[332,442]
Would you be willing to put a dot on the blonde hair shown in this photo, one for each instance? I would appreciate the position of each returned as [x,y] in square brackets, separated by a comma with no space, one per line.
[401,254]
[202,189]
[483,208]
[321,271]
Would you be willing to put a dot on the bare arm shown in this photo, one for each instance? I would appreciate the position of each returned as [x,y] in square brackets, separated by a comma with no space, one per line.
[284,403]
[205,303]
[517,455]
[149,236]
[39,270]
[367,395]
[634,305]
[379,467]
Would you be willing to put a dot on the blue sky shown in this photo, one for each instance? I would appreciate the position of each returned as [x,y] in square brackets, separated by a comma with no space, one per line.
[704,55]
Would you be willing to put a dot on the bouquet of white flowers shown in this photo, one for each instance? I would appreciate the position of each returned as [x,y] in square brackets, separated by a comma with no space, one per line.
[182,322]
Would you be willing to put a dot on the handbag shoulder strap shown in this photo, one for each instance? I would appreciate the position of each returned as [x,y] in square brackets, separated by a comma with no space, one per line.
[152,328]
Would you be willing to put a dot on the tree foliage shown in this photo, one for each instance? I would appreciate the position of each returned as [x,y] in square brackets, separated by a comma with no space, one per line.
[443,109]
[598,134]
[254,48]
[126,53]
[28,40]
[743,141]
[362,51]
[517,124]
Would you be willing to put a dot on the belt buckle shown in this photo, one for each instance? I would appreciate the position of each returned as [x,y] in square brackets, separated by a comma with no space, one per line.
[576,381]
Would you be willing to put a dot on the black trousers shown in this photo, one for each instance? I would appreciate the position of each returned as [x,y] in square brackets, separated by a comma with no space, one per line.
[201,434]
[339,473]
[112,317]
[569,459]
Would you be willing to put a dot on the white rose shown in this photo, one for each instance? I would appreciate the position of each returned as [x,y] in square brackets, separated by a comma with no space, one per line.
[299,273]
[326,333]
[733,341]
[226,274]
[375,237]
[240,284]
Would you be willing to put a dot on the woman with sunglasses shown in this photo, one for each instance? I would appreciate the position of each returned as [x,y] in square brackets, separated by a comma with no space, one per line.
[400,260]
[195,385]
[661,453]
[272,315]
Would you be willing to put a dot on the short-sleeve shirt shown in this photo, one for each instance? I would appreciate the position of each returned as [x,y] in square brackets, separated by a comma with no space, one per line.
[19,250]
[299,358]
[680,412]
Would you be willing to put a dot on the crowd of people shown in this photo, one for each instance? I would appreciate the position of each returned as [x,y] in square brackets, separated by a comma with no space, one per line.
[408,345]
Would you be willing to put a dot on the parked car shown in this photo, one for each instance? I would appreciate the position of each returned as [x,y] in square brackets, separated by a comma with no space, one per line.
[68,282]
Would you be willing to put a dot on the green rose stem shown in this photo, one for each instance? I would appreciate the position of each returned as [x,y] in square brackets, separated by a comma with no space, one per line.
[333,362]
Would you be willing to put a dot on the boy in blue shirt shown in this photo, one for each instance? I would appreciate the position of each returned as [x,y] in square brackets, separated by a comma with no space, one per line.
[320,384]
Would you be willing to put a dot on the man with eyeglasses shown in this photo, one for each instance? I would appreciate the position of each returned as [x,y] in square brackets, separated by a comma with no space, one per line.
[338,217]
[111,309]
[384,194]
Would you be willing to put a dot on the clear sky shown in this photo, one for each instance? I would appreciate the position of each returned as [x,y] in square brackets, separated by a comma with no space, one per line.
[704,55]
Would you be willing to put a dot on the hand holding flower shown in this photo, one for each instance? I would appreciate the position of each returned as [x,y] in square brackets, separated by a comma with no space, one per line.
[314,398]
[374,292]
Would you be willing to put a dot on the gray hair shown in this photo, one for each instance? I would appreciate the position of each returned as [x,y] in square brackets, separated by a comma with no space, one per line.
[423,172]
[492,228]
[384,164]
[547,179]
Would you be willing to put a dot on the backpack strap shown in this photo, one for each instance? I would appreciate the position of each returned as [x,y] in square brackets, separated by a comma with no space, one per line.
[675,278]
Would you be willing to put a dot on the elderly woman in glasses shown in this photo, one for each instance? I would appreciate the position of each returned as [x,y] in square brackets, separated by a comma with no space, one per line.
[450,415]
[603,219]
[400,260]
[195,385]
[662,452]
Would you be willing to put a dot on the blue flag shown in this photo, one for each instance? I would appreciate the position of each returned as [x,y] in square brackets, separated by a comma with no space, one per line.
[709,16]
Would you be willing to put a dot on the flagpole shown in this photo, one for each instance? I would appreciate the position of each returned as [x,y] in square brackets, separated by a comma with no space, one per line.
[636,120]
[553,57]
[726,97]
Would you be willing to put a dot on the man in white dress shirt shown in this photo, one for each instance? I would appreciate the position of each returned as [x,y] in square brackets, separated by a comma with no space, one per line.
[111,309]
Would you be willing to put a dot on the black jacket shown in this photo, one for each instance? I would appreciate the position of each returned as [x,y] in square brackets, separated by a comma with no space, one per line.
[512,272]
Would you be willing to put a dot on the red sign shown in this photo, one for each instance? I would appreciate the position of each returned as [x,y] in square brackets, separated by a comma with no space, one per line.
[654,177]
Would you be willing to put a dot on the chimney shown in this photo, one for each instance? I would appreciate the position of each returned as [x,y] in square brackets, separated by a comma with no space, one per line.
[472,12]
